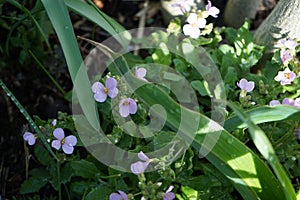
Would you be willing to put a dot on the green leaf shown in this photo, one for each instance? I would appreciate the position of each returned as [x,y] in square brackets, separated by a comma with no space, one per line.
[101,191]
[43,155]
[33,184]
[199,86]
[84,169]
[101,19]
[265,147]
[263,114]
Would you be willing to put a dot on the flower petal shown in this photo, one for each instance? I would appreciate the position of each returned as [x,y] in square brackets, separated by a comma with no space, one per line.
[169,196]
[71,140]
[123,195]
[143,156]
[68,149]
[201,23]
[115,196]
[124,108]
[274,103]
[113,93]
[140,73]
[139,167]
[56,144]
[59,133]
[192,18]
[97,87]
[110,83]
[100,97]
[132,106]
[250,86]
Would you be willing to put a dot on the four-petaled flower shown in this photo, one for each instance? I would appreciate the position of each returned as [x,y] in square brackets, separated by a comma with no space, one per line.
[289,43]
[67,143]
[285,56]
[212,10]
[139,166]
[121,196]
[140,73]
[193,28]
[168,195]
[183,5]
[29,137]
[245,85]
[285,77]
[101,92]
[127,106]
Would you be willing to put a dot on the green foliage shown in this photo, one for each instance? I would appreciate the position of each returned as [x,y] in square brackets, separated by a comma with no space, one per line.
[229,166]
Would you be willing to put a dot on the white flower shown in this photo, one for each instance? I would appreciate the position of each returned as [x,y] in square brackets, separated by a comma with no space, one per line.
[193,28]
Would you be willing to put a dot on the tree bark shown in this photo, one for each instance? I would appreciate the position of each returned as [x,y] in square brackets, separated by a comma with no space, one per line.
[281,23]
[236,11]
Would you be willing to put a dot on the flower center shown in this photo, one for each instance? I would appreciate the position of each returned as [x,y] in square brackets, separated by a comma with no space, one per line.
[194,25]
[125,103]
[105,90]
[63,141]
[287,75]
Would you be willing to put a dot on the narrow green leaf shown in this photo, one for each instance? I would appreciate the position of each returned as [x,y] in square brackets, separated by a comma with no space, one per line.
[101,19]
[265,147]
[263,114]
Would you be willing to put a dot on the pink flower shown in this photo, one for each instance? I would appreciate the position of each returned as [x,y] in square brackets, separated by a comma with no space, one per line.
[67,143]
[193,28]
[285,77]
[285,56]
[183,5]
[212,10]
[139,166]
[274,103]
[289,43]
[140,73]
[168,195]
[121,196]
[29,137]
[101,92]
[127,106]
[245,85]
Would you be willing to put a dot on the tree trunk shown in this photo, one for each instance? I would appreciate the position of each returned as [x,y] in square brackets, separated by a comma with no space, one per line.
[281,23]
[236,11]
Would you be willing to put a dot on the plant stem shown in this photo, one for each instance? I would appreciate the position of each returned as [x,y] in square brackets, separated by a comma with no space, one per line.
[47,73]
[28,118]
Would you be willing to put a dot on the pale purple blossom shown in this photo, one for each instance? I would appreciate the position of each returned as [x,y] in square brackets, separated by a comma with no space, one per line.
[67,143]
[245,85]
[168,195]
[54,122]
[194,24]
[297,103]
[285,56]
[127,106]
[139,166]
[29,137]
[183,5]
[288,101]
[285,77]
[140,73]
[101,92]
[274,103]
[212,10]
[121,196]
[289,43]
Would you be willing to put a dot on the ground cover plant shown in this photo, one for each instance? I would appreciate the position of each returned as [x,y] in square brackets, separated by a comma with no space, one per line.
[192,111]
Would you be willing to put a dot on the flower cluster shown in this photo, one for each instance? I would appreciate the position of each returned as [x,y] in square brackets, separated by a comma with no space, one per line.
[287,50]
[127,106]
[60,141]
[198,21]
[287,101]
